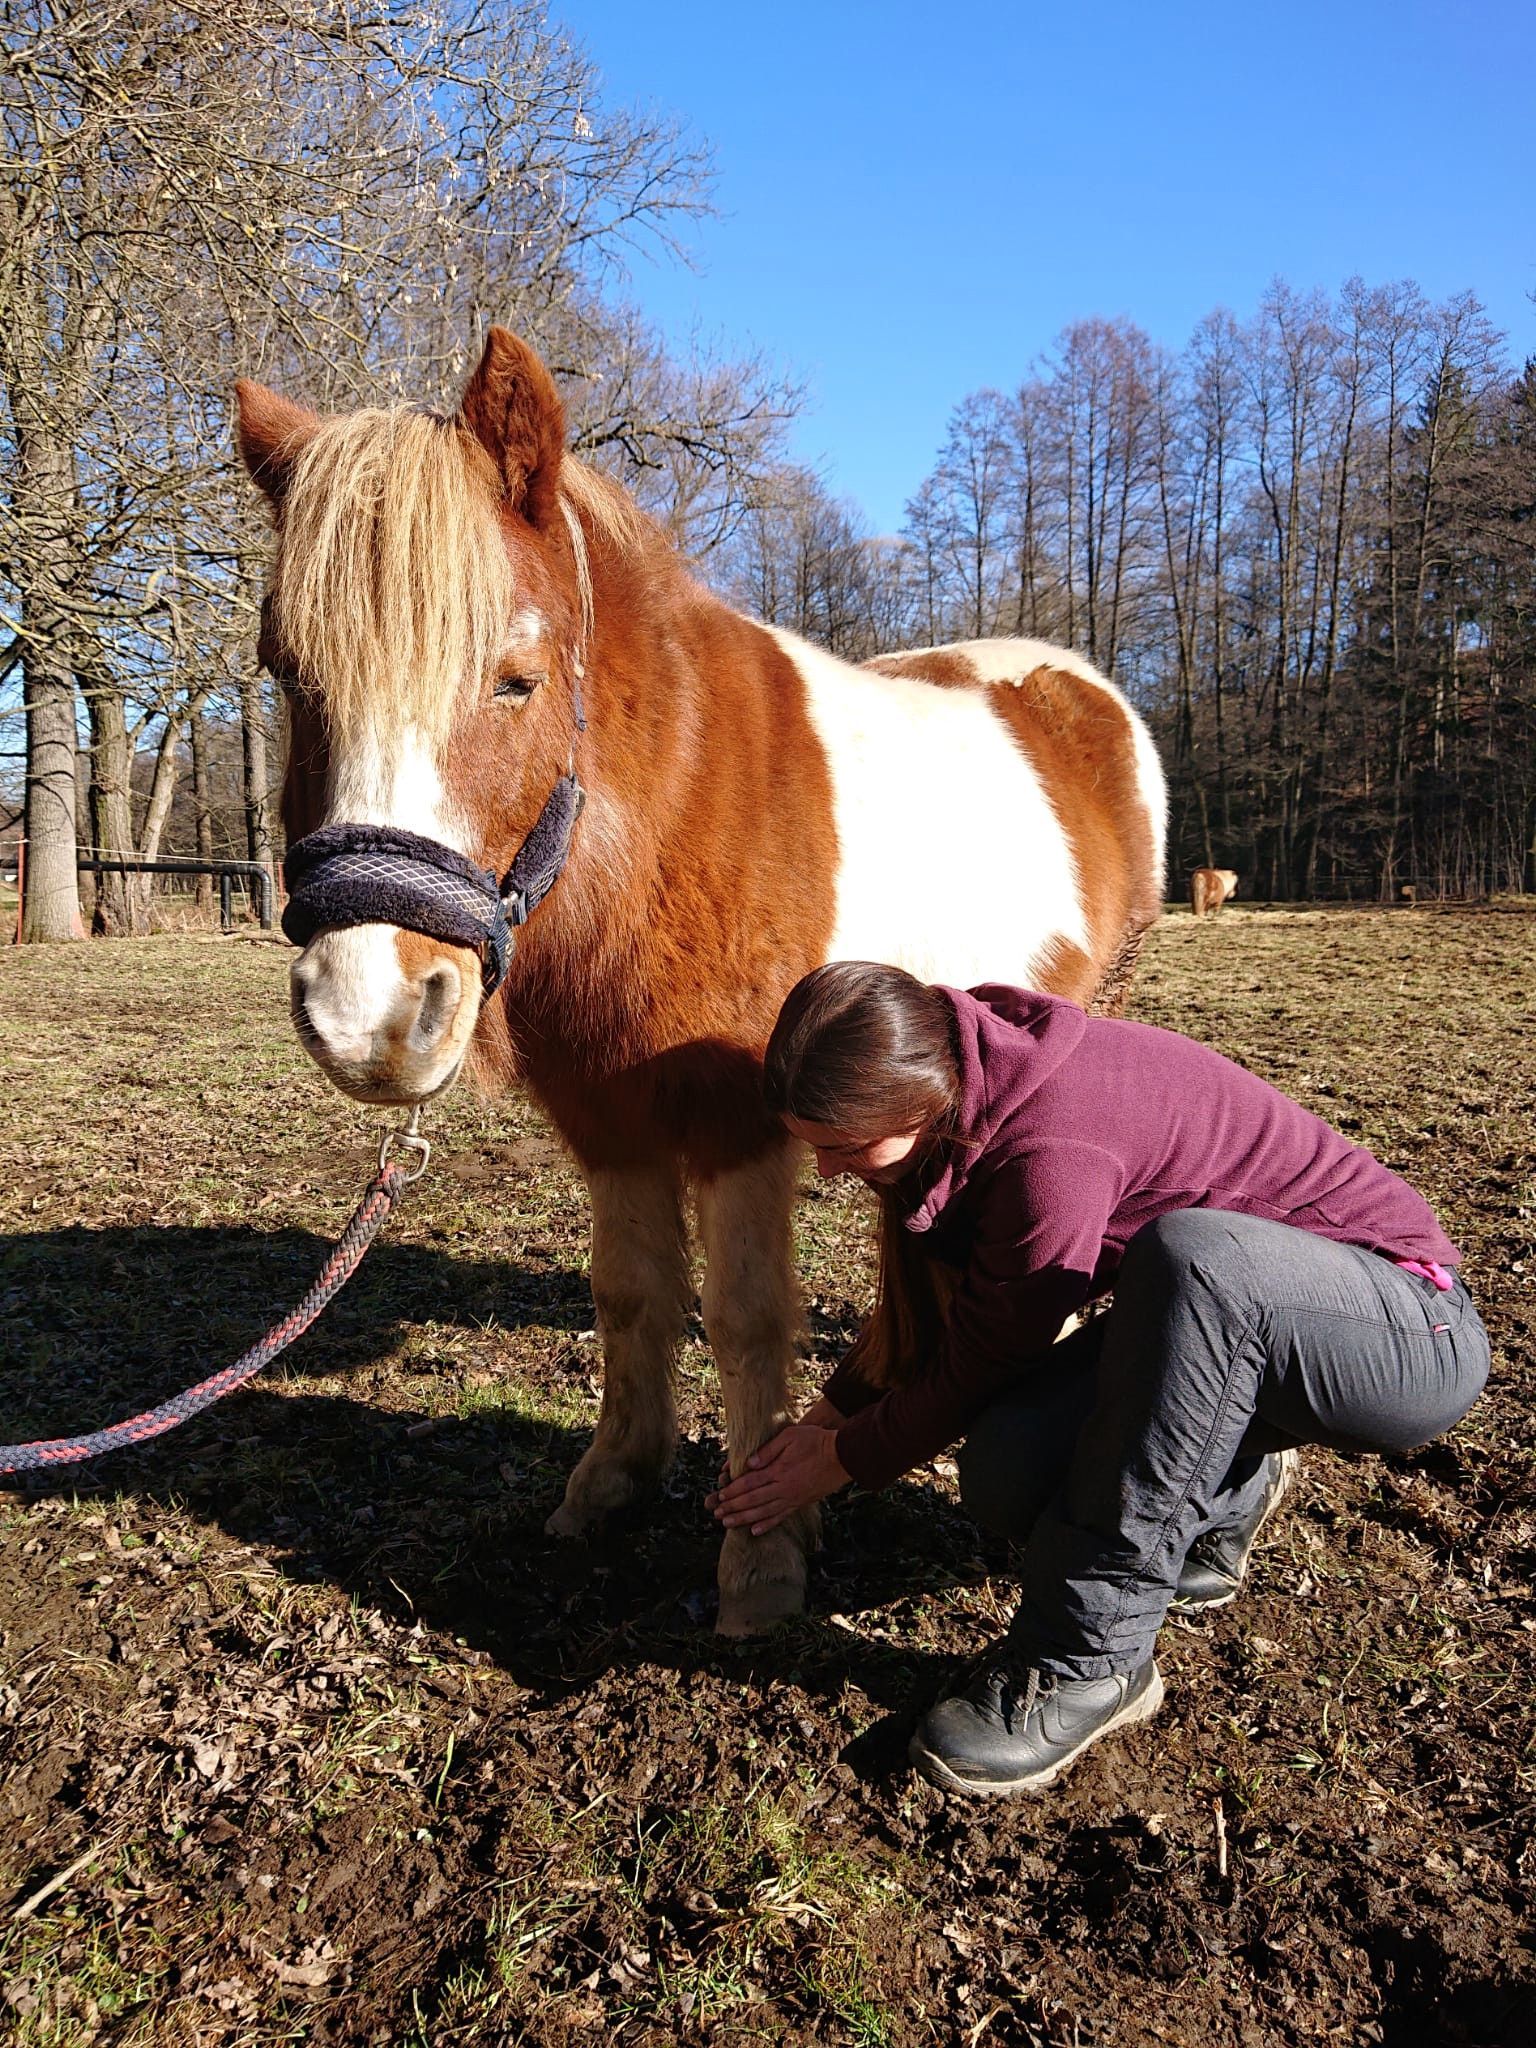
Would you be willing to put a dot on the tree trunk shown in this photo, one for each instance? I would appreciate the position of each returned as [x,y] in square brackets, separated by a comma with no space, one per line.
[111,808]
[202,805]
[39,488]
[161,791]
[253,746]
[52,907]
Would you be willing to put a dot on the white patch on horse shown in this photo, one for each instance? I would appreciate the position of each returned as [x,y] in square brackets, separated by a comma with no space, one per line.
[952,862]
[1153,785]
[392,778]
[526,633]
[1010,661]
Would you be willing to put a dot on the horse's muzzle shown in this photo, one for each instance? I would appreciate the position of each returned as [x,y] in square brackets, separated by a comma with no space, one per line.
[345,875]
[386,1017]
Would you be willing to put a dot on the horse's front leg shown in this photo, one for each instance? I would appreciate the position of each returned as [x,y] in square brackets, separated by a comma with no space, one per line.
[641,1285]
[751,1312]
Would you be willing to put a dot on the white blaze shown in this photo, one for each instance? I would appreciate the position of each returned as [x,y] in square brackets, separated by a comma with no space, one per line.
[393,779]
[350,979]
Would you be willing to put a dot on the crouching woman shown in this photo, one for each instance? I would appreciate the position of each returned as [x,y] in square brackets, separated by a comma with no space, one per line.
[1274,1285]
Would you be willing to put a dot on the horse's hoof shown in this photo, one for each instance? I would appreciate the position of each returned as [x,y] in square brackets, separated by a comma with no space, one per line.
[598,1488]
[762,1578]
[571,1523]
[759,1608]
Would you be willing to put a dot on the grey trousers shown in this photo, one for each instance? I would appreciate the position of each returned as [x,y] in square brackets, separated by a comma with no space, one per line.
[1229,1337]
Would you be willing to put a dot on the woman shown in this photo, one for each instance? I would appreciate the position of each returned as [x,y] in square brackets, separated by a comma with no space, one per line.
[1274,1285]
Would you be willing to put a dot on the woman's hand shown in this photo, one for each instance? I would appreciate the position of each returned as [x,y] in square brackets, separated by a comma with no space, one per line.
[798,1466]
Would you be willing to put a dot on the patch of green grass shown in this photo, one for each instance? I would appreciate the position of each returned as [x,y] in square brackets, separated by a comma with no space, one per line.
[555,1410]
[705,1990]
[839,1981]
[53,2005]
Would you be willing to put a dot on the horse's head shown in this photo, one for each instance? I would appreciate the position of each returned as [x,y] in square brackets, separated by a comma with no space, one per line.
[427,617]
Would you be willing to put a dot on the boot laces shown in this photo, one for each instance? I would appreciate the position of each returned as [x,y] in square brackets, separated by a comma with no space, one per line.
[1020,1686]
[1023,1708]
[1207,1548]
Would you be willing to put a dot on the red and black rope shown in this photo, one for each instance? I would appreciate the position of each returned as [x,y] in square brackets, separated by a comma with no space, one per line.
[378,1199]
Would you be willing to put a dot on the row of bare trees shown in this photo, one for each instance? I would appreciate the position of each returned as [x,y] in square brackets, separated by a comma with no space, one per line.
[1307,544]
[329,198]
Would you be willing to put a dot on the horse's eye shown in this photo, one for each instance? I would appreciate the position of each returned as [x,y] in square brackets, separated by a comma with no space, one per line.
[518,689]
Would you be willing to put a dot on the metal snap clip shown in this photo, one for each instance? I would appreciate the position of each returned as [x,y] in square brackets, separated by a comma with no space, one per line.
[408,1140]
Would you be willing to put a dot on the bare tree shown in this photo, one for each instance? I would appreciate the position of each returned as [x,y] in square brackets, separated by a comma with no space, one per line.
[802,559]
[316,195]
[1286,542]
[975,479]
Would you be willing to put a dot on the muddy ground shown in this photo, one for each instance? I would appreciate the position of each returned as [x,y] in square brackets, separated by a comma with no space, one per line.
[328,1743]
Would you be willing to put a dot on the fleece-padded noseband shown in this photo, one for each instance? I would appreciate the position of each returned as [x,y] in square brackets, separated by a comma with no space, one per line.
[376,874]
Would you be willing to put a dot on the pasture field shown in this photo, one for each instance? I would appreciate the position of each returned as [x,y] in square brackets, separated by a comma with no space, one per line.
[328,1742]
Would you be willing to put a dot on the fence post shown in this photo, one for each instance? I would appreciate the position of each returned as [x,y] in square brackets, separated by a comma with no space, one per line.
[226,917]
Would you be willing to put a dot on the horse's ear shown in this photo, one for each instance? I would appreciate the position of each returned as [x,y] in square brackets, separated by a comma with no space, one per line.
[271,433]
[513,410]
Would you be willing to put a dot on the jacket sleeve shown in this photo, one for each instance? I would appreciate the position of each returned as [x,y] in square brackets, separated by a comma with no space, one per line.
[1040,1239]
[847,1389]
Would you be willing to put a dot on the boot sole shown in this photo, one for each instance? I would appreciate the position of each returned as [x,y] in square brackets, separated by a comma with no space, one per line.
[938,1772]
[1178,1609]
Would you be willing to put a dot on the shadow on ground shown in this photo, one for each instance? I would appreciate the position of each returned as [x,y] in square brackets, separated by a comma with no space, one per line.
[433,1517]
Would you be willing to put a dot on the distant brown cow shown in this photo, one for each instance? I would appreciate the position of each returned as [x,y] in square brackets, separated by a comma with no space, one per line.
[1209,888]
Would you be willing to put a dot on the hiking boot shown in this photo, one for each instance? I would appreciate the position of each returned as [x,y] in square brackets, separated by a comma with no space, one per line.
[1217,1563]
[1013,1729]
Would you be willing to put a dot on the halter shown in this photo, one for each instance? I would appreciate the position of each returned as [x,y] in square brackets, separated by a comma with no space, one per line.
[378,874]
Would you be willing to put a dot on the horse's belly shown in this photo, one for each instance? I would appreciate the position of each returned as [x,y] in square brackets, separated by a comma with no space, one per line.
[951,862]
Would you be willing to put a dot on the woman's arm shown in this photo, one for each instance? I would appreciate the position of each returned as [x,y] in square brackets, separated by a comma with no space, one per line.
[1031,1267]
[822,1415]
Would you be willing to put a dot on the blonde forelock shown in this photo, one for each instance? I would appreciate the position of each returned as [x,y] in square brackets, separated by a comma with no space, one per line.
[393,587]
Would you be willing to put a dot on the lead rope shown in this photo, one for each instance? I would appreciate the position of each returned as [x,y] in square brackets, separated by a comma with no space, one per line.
[379,1199]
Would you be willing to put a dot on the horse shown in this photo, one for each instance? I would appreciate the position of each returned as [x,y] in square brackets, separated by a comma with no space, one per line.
[1209,888]
[475,633]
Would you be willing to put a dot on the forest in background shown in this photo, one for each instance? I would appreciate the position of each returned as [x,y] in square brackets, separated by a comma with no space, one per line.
[1306,544]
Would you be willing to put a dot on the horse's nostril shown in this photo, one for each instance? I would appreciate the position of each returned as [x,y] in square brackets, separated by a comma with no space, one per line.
[301,982]
[439,1000]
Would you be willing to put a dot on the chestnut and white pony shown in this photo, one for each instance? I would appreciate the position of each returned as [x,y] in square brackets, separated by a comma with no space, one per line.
[1209,888]
[442,589]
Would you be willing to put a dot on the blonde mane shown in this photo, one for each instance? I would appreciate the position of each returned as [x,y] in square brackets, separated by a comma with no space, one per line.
[594,503]
[393,588]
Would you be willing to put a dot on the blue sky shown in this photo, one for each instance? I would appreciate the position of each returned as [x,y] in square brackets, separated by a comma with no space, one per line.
[915,199]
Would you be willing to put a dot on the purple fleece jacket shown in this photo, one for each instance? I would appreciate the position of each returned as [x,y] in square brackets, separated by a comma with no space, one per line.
[1076,1131]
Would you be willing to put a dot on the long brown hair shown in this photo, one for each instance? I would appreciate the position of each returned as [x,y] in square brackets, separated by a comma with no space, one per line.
[870,1050]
